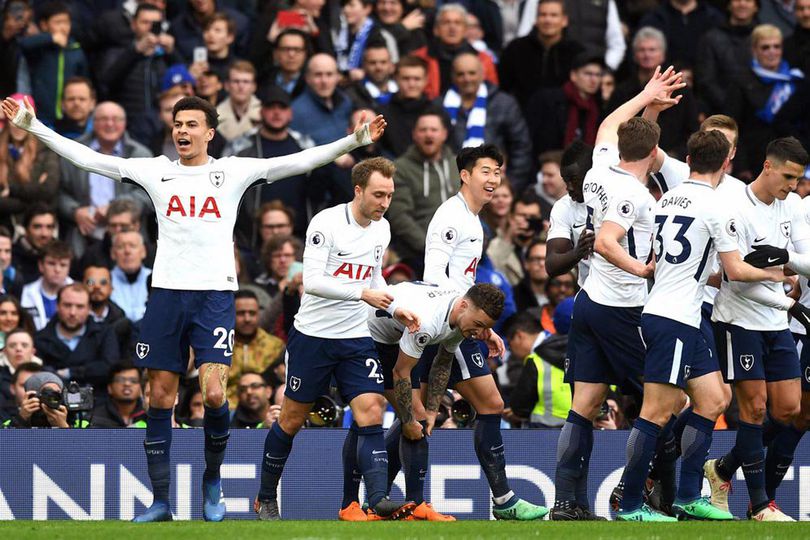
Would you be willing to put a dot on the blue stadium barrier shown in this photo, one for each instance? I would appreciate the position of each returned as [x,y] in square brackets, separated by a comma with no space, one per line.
[101,474]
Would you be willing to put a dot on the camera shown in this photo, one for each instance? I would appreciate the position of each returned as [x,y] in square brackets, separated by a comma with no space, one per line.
[325,413]
[50,398]
[604,411]
[75,398]
[157,28]
[462,412]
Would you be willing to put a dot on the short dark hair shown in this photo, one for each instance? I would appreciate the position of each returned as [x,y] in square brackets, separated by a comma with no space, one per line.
[120,367]
[576,160]
[278,206]
[124,206]
[145,6]
[75,287]
[5,233]
[560,2]
[224,17]
[241,294]
[37,209]
[553,156]
[81,80]
[25,367]
[787,149]
[19,330]
[194,103]
[487,297]
[527,198]
[275,243]
[637,138]
[523,321]
[363,170]
[468,157]
[52,9]
[294,32]
[56,249]
[432,110]
[707,151]
[26,322]
[410,60]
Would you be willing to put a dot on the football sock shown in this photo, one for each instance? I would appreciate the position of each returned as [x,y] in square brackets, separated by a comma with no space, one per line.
[373,460]
[695,444]
[780,456]
[277,447]
[751,456]
[351,473]
[414,455]
[640,451]
[392,437]
[157,445]
[490,453]
[573,450]
[215,426]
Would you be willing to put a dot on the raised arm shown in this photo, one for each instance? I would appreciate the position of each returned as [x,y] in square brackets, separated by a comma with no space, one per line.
[76,153]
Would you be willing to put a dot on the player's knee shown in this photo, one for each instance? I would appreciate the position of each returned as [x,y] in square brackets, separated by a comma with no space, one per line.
[291,423]
[786,412]
[492,405]
[755,410]
[711,406]
[214,397]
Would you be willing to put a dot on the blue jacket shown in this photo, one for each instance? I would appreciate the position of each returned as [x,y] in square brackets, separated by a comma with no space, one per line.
[487,274]
[312,117]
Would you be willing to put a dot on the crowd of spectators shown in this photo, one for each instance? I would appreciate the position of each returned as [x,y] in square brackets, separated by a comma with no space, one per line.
[531,76]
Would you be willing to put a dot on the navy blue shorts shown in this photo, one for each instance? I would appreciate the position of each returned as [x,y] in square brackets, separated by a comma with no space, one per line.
[676,352]
[803,347]
[752,355]
[313,361]
[470,361]
[388,358]
[176,320]
[607,344]
[568,366]
[707,327]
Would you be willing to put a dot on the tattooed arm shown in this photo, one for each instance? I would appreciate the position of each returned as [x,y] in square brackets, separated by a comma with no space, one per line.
[437,384]
[403,395]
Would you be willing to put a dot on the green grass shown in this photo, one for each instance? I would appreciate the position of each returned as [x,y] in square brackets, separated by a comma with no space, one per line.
[286,530]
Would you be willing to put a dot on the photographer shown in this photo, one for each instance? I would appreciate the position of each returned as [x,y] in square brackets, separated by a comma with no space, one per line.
[39,400]
[526,224]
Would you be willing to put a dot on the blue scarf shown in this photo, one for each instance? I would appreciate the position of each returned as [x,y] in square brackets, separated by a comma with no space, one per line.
[783,84]
[378,96]
[476,118]
[352,58]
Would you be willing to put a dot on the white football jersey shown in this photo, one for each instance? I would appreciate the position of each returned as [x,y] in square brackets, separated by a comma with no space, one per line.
[432,304]
[454,232]
[567,221]
[349,257]
[804,210]
[612,194]
[691,228]
[729,188]
[673,173]
[757,223]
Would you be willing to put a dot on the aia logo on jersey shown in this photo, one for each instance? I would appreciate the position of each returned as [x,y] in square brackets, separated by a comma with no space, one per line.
[747,361]
[217,178]
[189,209]
[785,228]
[142,349]
[353,271]
[449,235]
[472,268]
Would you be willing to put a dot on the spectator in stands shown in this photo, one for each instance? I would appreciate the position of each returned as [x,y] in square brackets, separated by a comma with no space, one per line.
[84,197]
[406,105]
[407,29]
[274,219]
[17,350]
[14,23]
[496,213]
[209,87]
[725,54]
[178,77]
[254,350]
[758,96]
[683,23]
[75,346]
[425,177]
[525,224]
[123,404]
[129,275]
[322,111]
[596,25]
[487,273]
[357,31]
[191,409]
[377,86]
[450,39]
[677,123]
[28,381]
[557,289]
[12,316]
[39,298]
[29,172]
[78,102]
[292,49]
[132,74]
[219,33]
[52,57]
[282,280]
[397,273]
[122,215]
[240,112]
[557,116]
[187,27]
[531,291]
[797,46]
[480,112]
[40,225]
[551,186]
[778,13]
[273,138]
[543,58]
[253,410]
[10,279]
[347,161]
[104,311]
[479,39]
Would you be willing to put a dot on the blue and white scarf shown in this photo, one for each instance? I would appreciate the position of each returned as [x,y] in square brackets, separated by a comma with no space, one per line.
[783,87]
[352,58]
[377,95]
[476,118]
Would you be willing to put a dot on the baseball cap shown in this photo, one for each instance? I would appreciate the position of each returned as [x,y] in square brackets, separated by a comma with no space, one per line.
[36,381]
[562,315]
[273,94]
[176,74]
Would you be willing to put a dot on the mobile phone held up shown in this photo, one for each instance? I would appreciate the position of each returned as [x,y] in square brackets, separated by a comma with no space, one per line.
[289,18]
[200,55]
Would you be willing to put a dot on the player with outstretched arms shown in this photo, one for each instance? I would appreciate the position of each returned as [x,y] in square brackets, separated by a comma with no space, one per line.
[196,199]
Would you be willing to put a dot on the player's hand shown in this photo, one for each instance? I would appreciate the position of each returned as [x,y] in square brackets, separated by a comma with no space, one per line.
[662,85]
[414,20]
[408,318]
[777,274]
[647,271]
[56,417]
[84,221]
[584,247]
[413,430]
[376,298]
[371,132]
[494,343]
[20,116]
[430,422]
[801,314]
[29,406]
[765,256]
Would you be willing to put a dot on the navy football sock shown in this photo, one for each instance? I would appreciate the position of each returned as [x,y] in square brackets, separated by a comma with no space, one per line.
[277,448]
[640,451]
[351,473]
[157,445]
[573,453]
[678,427]
[414,455]
[695,444]
[490,453]
[373,460]
[215,426]
[582,481]
[663,468]
[780,456]
[392,437]
[751,456]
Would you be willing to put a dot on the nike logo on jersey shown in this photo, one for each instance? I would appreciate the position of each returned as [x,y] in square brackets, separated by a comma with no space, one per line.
[759,239]
[342,254]
[164,179]
[578,225]
[473,239]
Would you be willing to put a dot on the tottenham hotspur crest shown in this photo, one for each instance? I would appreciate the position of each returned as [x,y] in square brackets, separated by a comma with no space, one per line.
[785,228]
[747,361]
[377,253]
[217,178]
[142,349]
[478,359]
[295,383]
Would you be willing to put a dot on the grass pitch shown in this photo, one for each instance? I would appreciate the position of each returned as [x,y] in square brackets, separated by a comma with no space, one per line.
[287,530]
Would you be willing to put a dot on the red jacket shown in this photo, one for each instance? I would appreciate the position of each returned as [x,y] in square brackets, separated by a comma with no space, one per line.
[433,88]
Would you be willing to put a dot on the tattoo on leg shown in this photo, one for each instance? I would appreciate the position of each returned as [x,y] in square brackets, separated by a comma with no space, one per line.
[404,399]
[222,376]
[438,378]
